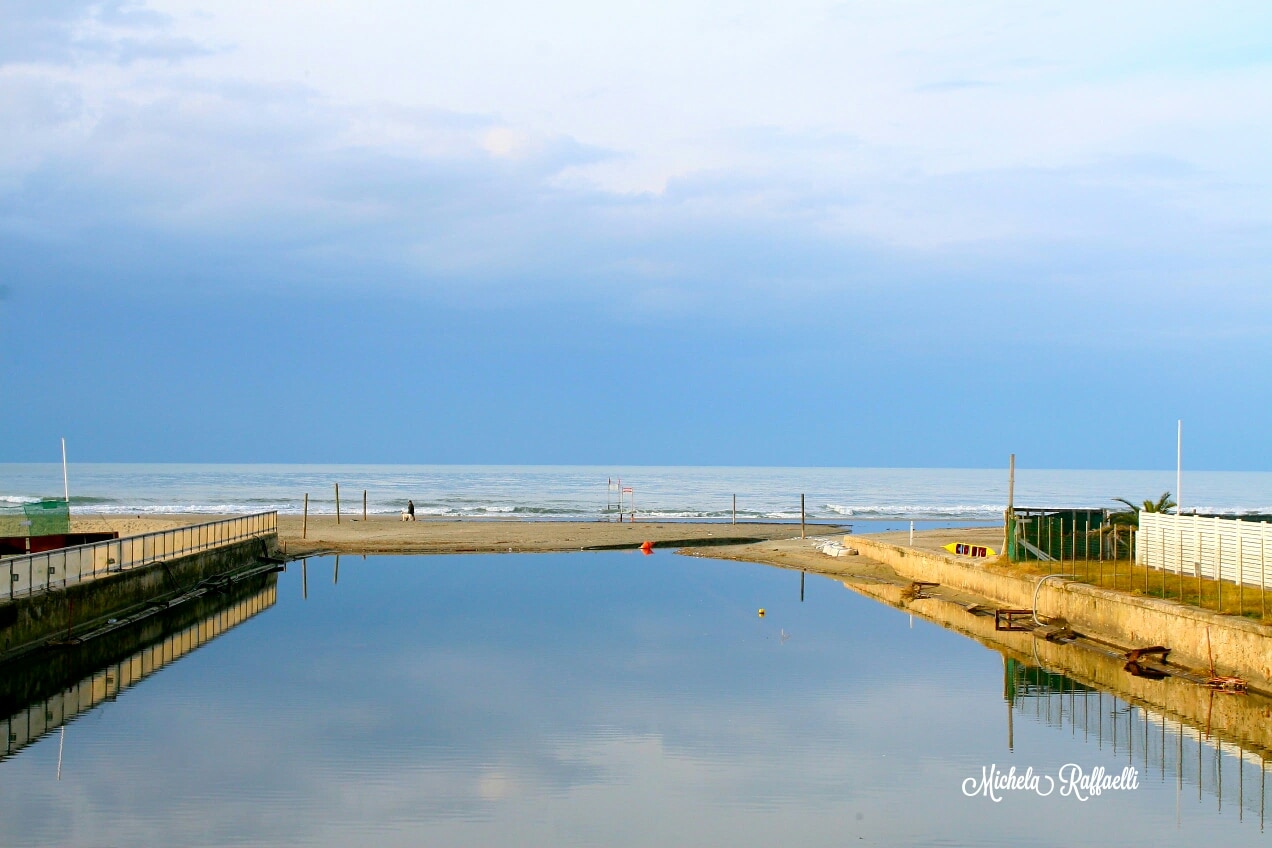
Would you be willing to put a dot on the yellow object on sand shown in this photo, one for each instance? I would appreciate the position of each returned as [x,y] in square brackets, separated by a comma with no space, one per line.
[964,549]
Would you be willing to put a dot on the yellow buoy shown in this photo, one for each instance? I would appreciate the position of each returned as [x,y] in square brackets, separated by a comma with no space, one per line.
[761,612]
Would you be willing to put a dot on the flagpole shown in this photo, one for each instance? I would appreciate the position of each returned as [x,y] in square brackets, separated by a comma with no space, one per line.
[1179,469]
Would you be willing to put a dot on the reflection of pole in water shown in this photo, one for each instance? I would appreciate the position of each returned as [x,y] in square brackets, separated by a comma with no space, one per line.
[1009,692]
[304,579]
[801,587]
[61,743]
[335,575]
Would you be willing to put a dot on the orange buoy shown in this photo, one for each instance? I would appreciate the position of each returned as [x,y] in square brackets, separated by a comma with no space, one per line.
[647,546]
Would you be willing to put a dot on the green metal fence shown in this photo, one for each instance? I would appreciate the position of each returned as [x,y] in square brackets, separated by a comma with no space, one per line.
[1065,535]
[48,517]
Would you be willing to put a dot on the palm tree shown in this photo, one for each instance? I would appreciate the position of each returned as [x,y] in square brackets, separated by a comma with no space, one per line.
[1132,513]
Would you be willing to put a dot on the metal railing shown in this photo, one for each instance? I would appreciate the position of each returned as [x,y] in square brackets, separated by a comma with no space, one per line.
[43,572]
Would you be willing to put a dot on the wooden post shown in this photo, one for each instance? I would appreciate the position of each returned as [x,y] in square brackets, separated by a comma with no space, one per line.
[304,522]
[1196,563]
[1050,535]
[735,509]
[1086,540]
[801,516]
[1101,538]
[1181,566]
[364,505]
[1011,501]
[1062,543]
[1115,540]
[1240,572]
[1263,574]
[1219,571]
[337,503]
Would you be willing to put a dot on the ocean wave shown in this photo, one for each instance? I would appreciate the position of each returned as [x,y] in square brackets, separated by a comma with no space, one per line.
[977,511]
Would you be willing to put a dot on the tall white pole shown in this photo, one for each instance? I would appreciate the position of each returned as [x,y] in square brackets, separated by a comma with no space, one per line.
[66,487]
[1179,469]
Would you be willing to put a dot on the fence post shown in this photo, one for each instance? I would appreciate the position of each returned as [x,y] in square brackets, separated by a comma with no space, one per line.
[1219,570]
[1196,563]
[337,503]
[304,522]
[1240,571]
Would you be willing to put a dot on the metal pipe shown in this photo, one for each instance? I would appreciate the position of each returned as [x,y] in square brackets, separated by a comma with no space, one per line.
[1038,588]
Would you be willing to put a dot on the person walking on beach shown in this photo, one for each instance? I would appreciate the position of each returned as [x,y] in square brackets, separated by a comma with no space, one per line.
[410,509]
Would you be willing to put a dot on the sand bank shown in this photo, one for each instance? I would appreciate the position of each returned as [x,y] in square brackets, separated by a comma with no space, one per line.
[386,534]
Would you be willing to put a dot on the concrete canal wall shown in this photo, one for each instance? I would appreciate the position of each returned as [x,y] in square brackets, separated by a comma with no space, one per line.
[31,620]
[1240,719]
[1239,647]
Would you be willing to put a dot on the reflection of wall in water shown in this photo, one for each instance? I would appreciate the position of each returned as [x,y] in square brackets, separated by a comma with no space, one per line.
[1156,744]
[27,725]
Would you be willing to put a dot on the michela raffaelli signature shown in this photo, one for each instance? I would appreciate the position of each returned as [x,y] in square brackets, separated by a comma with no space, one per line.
[1072,781]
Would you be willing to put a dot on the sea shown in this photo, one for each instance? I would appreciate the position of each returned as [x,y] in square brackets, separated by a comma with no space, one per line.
[871,498]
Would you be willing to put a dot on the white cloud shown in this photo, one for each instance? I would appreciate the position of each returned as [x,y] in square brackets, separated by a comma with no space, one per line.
[660,150]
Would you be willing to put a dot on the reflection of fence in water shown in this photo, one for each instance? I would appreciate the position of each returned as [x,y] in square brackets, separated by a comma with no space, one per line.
[1153,742]
[28,725]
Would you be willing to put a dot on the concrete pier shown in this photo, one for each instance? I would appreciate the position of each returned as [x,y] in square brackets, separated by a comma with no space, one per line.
[29,621]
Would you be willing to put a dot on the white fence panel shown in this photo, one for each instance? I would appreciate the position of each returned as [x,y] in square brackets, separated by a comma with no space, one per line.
[1229,548]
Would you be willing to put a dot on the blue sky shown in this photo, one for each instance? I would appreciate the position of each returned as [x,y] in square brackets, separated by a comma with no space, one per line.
[825,234]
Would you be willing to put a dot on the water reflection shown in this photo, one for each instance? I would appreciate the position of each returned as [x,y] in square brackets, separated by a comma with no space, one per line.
[614,699]
[1158,743]
[44,693]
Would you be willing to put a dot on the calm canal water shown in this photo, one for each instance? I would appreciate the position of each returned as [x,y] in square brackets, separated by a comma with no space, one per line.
[582,699]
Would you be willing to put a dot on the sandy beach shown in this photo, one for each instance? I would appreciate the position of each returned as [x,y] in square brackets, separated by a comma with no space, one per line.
[390,535]
[767,543]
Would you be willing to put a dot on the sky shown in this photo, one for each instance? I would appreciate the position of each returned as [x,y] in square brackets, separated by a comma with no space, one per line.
[858,233]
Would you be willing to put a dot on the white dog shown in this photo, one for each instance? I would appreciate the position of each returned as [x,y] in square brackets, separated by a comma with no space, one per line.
[406,516]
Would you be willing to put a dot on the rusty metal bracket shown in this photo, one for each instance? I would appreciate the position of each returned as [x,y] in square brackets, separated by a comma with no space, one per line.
[1011,619]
